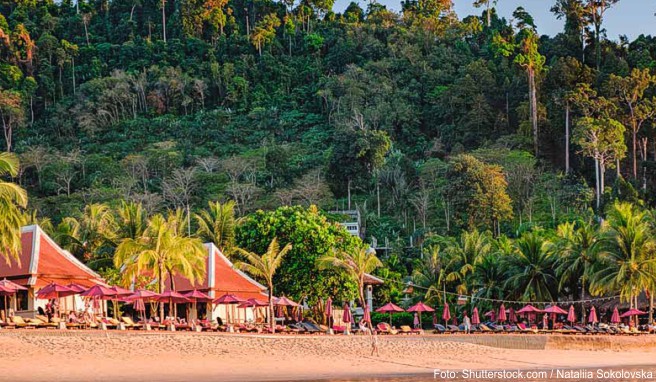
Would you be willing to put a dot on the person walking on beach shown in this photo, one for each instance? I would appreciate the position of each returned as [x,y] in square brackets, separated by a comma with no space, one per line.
[416,321]
[467,323]
[374,344]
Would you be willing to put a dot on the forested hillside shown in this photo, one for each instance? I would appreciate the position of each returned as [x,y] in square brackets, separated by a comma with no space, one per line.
[425,121]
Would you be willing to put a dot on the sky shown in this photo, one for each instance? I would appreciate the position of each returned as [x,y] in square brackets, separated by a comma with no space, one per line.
[628,17]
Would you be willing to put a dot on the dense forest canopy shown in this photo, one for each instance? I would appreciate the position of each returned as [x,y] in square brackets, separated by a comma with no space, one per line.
[427,123]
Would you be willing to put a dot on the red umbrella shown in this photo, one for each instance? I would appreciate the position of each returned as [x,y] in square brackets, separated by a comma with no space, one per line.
[475,320]
[99,291]
[571,315]
[420,307]
[502,314]
[529,309]
[53,290]
[615,318]
[253,303]
[593,316]
[347,318]
[142,294]
[120,292]
[511,315]
[492,314]
[446,314]
[229,299]
[390,308]
[284,301]
[197,296]
[554,309]
[172,297]
[632,312]
[76,287]
[8,288]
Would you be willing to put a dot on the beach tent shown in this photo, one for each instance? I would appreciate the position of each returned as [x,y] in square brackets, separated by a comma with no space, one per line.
[43,262]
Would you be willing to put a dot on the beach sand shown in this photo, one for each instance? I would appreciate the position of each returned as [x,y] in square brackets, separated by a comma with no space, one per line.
[131,356]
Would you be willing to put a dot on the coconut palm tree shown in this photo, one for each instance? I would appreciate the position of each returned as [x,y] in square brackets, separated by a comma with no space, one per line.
[488,277]
[161,252]
[131,220]
[464,255]
[574,251]
[217,225]
[429,274]
[92,236]
[627,260]
[12,199]
[265,267]
[529,270]
[356,263]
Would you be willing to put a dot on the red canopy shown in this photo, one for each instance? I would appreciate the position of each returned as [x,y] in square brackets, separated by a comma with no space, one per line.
[284,301]
[475,320]
[229,299]
[593,316]
[76,287]
[511,315]
[100,292]
[11,286]
[197,295]
[142,294]
[632,312]
[420,307]
[529,309]
[120,292]
[555,309]
[53,290]
[615,318]
[390,308]
[253,302]
[329,307]
[171,296]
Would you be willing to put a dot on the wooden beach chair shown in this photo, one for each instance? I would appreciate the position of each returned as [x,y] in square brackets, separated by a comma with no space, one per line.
[130,324]
[385,328]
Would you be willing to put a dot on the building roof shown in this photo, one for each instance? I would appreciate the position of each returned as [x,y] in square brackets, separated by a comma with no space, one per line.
[223,278]
[372,280]
[42,261]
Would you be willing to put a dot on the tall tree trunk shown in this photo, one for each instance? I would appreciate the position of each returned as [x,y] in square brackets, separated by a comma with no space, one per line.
[489,16]
[534,109]
[349,193]
[597,183]
[73,69]
[272,321]
[602,178]
[161,289]
[164,20]
[634,145]
[567,138]
[378,196]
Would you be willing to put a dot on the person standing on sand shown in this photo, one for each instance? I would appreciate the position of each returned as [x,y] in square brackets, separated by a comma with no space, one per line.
[467,323]
[416,321]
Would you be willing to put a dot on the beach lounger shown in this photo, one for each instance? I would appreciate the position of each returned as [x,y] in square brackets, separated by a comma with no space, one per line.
[440,329]
[310,328]
[455,329]
[523,329]
[385,328]
[339,329]
[130,324]
[581,329]
[21,323]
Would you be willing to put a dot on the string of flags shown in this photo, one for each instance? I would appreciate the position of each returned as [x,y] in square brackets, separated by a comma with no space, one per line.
[475,298]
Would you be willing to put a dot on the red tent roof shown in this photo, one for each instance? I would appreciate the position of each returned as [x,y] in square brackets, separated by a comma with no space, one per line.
[43,262]
[223,279]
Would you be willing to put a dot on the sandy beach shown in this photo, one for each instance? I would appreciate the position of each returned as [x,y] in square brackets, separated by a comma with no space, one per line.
[130,356]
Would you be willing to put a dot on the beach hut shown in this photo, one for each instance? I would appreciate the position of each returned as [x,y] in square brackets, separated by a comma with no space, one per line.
[43,262]
[222,278]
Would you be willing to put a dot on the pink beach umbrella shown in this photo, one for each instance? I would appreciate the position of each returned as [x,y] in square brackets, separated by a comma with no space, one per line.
[632,312]
[512,317]
[491,314]
[9,288]
[54,291]
[390,308]
[172,297]
[367,315]
[593,316]
[419,308]
[76,287]
[502,314]
[615,318]
[571,315]
[475,320]
[284,301]
[197,296]
[446,313]
[347,318]
[329,310]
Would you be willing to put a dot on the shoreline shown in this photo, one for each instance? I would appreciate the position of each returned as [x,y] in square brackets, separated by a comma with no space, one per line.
[53,356]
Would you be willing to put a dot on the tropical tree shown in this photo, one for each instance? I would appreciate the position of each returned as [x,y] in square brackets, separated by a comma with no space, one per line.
[627,260]
[356,264]
[91,236]
[216,224]
[265,266]
[429,274]
[464,256]
[131,220]
[161,252]
[12,199]
[488,277]
[529,270]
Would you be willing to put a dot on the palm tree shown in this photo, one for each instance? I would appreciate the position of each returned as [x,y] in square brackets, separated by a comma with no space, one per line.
[161,252]
[529,270]
[12,199]
[429,273]
[265,267]
[92,235]
[464,255]
[488,277]
[131,220]
[574,252]
[217,225]
[356,264]
[627,261]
